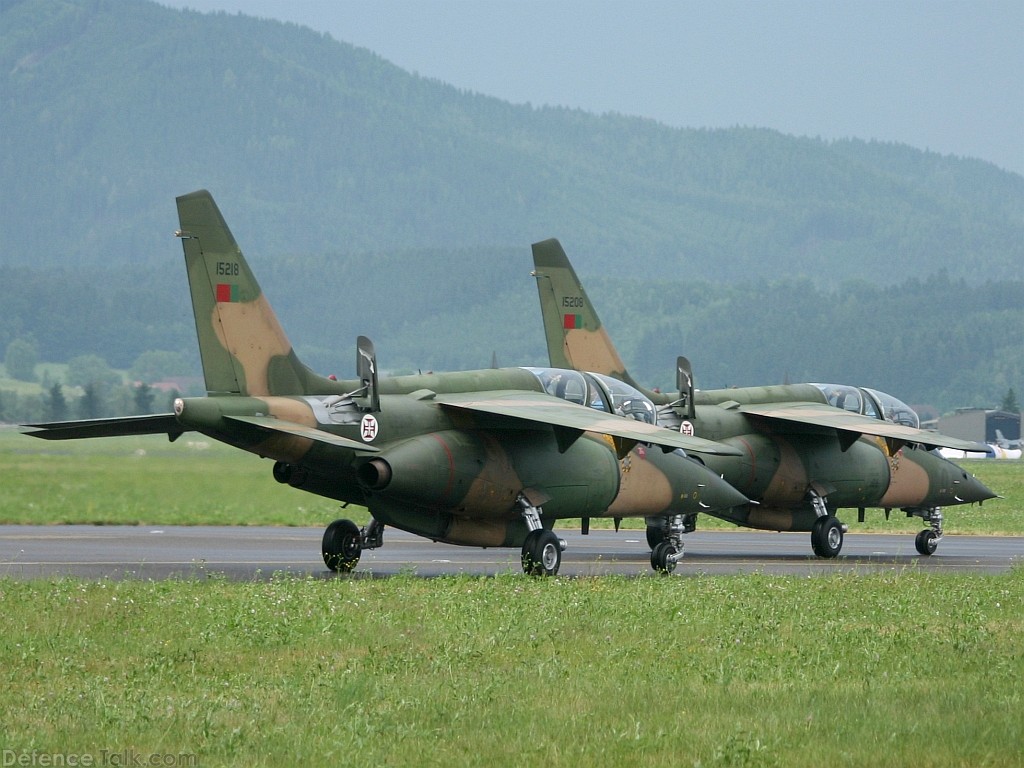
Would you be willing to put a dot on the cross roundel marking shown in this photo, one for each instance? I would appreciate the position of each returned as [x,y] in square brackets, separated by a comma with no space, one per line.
[368,428]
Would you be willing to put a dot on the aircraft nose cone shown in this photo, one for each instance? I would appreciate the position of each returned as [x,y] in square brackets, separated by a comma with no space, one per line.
[715,494]
[970,489]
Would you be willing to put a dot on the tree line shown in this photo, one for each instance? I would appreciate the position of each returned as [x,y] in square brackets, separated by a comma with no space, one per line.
[56,402]
[938,341]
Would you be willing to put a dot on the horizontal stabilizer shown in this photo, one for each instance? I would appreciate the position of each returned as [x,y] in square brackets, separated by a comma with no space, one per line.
[121,426]
[540,408]
[301,430]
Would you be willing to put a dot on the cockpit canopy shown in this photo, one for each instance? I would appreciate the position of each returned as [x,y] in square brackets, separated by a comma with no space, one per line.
[596,391]
[870,402]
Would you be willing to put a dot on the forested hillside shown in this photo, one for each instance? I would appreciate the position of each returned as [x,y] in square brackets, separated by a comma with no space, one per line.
[112,107]
[939,341]
[374,201]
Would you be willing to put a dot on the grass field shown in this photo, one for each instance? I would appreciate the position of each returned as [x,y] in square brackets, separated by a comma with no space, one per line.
[894,669]
[908,669]
[146,480]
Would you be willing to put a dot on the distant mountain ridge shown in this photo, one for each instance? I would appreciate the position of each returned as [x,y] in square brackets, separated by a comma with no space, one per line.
[113,107]
[373,201]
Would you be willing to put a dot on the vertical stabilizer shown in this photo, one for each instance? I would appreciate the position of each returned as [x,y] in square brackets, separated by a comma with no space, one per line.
[366,371]
[575,336]
[684,383]
[243,347]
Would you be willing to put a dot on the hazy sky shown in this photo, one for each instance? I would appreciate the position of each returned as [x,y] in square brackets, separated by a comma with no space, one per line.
[942,75]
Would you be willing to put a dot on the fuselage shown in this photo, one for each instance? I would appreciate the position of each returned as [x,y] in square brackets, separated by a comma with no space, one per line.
[784,463]
[448,474]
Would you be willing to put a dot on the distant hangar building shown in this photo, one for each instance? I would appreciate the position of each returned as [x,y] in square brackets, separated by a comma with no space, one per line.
[982,426]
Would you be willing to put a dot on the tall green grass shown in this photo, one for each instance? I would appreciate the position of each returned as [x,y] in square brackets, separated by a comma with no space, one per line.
[895,669]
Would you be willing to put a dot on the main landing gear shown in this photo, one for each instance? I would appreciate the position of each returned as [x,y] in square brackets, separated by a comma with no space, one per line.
[927,540]
[665,538]
[542,550]
[827,536]
[827,532]
[344,542]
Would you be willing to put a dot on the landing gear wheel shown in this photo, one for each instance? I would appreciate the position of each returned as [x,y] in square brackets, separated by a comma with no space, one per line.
[542,553]
[827,536]
[663,557]
[342,546]
[926,542]
[655,535]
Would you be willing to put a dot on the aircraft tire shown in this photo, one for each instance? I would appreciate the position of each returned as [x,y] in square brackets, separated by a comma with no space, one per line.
[655,535]
[926,542]
[542,553]
[342,546]
[663,558]
[827,537]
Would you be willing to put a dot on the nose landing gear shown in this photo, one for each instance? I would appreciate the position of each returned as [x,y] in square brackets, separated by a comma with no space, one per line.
[666,541]
[928,540]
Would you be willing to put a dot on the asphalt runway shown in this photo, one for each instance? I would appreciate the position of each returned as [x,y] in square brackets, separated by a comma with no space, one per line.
[244,553]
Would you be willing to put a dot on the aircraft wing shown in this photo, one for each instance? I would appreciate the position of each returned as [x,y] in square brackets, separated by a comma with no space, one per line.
[166,423]
[120,426]
[855,424]
[539,408]
[268,424]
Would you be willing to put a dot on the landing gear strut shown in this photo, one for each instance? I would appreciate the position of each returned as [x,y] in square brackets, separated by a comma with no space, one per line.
[657,528]
[542,550]
[344,542]
[928,540]
[669,551]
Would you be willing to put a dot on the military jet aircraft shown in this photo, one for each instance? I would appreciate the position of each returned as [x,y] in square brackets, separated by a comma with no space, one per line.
[807,450]
[487,458]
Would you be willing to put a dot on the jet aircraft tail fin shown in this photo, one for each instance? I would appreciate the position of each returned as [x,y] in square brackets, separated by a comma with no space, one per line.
[575,336]
[243,348]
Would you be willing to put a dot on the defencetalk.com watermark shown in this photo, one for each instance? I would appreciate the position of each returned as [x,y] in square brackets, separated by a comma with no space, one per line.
[123,758]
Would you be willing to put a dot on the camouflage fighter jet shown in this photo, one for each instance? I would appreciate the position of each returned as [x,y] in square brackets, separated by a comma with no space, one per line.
[487,458]
[806,450]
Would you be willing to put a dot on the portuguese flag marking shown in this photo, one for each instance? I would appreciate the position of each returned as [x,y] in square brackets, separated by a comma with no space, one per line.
[227,292]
